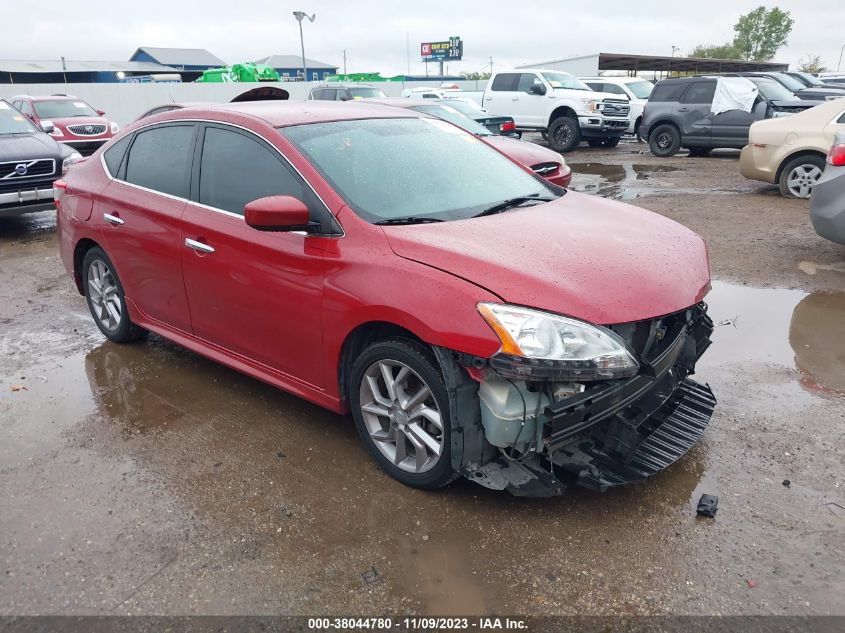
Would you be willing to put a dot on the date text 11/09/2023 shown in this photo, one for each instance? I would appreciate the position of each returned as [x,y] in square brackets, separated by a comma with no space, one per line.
[418,624]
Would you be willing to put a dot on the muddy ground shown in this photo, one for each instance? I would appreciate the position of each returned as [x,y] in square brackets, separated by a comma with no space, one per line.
[145,479]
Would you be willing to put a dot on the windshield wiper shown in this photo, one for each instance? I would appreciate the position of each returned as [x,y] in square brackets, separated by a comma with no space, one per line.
[511,203]
[409,219]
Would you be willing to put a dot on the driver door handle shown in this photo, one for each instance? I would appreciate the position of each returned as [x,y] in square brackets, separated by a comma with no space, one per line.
[198,246]
[112,219]
[683,109]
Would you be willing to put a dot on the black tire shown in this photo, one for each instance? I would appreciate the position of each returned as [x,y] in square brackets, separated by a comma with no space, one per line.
[639,136]
[595,142]
[424,366]
[664,140]
[123,331]
[700,152]
[610,141]
[808,162]
[545,136]
[564,134]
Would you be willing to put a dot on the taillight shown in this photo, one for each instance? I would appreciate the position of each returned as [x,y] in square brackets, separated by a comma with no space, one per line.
[836,156]
[59,188]
[507,126]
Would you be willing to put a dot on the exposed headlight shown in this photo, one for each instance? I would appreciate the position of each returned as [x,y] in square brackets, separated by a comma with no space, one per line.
[547,346]
[115,128]
[70,160]
[56,131]
[592,104]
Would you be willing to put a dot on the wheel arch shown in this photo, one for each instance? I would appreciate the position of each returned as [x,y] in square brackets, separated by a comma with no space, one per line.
[797,154]
[358,339]
[561,111]
[79,250]
[659,122]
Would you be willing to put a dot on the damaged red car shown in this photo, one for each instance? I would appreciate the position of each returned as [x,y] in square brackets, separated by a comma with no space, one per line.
[474,319]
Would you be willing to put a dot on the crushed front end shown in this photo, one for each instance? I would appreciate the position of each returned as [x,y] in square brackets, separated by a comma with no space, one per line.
[542,433]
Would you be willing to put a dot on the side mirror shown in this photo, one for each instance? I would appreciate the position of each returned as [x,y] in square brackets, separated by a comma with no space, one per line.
[47,126]
[101,112]
[537,89]
[277,213]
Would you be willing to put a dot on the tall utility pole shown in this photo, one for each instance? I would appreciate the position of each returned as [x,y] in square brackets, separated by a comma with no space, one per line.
[408,51]
[299,15]
[491,65]
[675,48]
[344,61]
[839,65]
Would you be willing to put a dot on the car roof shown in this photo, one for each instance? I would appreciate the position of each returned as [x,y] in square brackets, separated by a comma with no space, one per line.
[624,80]
[339,84]
[285,113]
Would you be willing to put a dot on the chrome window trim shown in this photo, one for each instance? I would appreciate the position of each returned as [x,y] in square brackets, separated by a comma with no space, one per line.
[205,206]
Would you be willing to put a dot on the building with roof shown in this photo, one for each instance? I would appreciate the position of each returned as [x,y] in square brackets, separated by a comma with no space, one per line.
[58,71]
[291,66]
[190,62]
[598,63]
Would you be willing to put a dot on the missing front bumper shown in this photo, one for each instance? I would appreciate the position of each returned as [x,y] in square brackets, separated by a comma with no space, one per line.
[620,431]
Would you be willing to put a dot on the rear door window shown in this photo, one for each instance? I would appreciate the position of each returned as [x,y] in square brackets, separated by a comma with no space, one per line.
[595,85]
[159,159]
[317,93]
[505,82]
[700,92]
[668,92]
[329,94]
[614,89]
[841,119]
[113,156]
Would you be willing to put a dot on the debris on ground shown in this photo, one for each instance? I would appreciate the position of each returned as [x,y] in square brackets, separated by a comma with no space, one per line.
[371,577]
[787,483]
[707,505]
[752,583]
[19,388]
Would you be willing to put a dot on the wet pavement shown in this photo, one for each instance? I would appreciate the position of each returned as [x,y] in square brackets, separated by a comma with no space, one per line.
[146,479]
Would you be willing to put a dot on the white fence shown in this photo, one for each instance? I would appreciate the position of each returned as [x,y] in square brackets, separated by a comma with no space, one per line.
[123,103]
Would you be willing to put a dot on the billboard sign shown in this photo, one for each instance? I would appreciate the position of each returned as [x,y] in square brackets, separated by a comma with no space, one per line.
[452,49]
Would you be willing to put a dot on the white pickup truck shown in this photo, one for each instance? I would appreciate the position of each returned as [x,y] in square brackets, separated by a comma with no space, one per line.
[560,106]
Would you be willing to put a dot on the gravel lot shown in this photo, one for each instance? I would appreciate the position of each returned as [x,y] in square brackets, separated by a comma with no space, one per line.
[146,479]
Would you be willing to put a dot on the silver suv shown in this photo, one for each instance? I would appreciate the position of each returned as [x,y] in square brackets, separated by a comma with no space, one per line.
[345,92]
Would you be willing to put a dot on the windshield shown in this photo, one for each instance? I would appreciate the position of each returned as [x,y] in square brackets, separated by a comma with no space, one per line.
[807,79]
[421,167]
[450,114]
[772,90]
[564,80]
[13,122]
[789,82]
[641,89]
[367,93]
[470,108]
[63,109]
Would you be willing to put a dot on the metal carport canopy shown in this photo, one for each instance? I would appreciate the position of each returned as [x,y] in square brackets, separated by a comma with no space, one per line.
[634,63]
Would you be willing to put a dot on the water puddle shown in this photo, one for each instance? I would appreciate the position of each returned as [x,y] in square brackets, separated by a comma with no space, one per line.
[789,328]
[615,181]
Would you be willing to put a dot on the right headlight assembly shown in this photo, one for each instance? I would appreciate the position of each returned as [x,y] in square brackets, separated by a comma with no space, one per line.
[540,345]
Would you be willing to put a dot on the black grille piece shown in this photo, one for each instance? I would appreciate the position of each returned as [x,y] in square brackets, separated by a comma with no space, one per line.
[7,186]
[22,169]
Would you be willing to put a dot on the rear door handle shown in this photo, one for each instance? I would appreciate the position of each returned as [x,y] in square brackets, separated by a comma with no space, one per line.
[198,246]
[683,109]
[112,219]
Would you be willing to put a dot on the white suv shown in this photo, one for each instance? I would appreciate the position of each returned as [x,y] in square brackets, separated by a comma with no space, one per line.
[635,88]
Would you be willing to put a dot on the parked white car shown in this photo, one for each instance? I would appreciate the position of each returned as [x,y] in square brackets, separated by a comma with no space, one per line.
[636,89]
[560,106]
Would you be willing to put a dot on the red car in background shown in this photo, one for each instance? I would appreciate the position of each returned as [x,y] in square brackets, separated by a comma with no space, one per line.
[542,161]
[75,123]
[475,320]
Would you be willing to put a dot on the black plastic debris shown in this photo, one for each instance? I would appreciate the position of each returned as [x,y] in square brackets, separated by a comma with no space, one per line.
[371,577]
[707,505]
[787,483]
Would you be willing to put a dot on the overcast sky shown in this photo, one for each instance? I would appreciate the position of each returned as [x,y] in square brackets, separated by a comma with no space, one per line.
[373,32]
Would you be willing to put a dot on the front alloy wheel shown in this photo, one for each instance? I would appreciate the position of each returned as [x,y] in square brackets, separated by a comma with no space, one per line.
[401,409]
[401,416]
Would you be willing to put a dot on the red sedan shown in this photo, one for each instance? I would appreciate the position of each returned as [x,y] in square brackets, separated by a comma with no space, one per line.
[474,319]
[75,123]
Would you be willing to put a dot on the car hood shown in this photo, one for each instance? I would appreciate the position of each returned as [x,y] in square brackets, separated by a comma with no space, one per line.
[27,146]
[523,152]
[78,120]
[582,256]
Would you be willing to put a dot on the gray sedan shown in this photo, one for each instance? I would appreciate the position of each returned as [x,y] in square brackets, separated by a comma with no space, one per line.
[827,204]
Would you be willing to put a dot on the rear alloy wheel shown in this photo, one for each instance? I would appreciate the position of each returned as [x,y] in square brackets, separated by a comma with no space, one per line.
[664,140]
[800,175]
[105,297]
[400,407]
[564,134]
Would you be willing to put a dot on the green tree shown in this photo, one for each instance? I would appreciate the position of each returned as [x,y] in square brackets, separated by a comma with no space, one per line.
[761,32]
[476,75]
[721,51]
[811,64]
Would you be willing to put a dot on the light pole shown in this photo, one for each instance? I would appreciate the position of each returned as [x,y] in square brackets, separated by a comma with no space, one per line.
[299,15]
[839,65]
[675,48]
